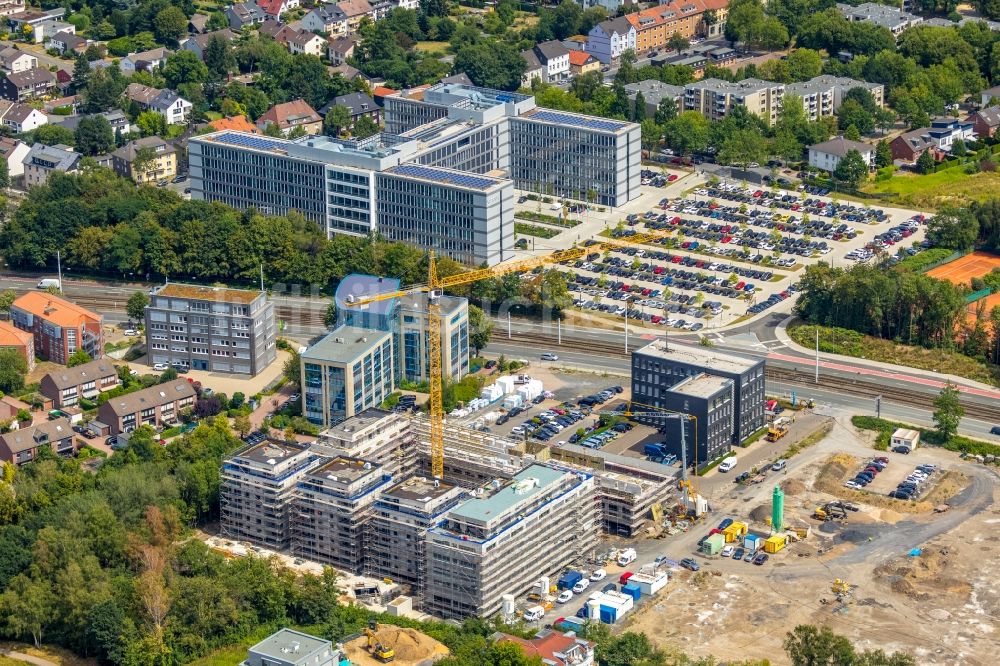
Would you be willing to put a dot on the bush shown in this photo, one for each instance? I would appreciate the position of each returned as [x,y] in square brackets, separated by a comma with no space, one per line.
[957,443]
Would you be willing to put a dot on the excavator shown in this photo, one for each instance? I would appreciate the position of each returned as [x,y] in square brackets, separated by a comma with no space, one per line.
[381,652]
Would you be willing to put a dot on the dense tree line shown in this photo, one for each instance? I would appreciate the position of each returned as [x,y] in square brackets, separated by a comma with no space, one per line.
[891,304]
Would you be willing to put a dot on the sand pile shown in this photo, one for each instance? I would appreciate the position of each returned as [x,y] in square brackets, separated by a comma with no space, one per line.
[410,646]
[793,487]
[924,576]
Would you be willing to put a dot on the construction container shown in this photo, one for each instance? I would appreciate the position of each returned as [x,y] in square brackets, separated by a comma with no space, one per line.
[569,579]
[775,543]
[506,384]
[611,606]
[632,590]
[735,531]
[512,401]
[623,579]
[714,544]
[649,583]
[491,393]
[752,542]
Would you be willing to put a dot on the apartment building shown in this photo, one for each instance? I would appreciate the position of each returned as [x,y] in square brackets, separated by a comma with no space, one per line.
[257,489]
[146,160]
[889,17]
[23,342]
[506,537]
[21,446]
[822,96]
[27,84]
[376,435]
[655,92]
[345,373]
[41,161]
[59,327]
[155,406]
[608,40]
[331,508]
[66,386]
[655,26]
[715,98]
[211,328]
[661,377]
[397,536]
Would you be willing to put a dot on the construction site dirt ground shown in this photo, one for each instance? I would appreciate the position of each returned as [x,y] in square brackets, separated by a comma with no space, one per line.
[941,605]
[411,647]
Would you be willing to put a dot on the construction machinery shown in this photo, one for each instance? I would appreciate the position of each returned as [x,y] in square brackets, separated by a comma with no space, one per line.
[435,290]
[383,653]
[777,430]
[830,511]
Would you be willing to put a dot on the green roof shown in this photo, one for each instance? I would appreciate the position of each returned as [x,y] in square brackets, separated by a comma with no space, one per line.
[526,485]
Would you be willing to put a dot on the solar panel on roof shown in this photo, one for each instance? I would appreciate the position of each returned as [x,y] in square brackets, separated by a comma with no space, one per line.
[428,173]
[577,121]
[250,141]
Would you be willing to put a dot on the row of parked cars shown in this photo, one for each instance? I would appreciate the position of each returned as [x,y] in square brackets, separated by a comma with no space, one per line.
[912,486]
[694,262]
[813,206]
[868,473]
[650,177]
[774,299]
[675,278]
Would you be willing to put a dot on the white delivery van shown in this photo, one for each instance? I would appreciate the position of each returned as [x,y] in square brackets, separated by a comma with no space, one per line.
[533,613]
[728,464]
[626,557]
[45,283]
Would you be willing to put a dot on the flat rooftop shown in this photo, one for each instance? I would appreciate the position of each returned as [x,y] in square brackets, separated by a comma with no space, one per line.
[702,386]
[220,294]
[346,469]
[271,451]
[346,429]
[358,284]
[445,176]
[295,147]
[525,485]
[420,489]
[574,120]
[345,344]
[288,645]
[703,356]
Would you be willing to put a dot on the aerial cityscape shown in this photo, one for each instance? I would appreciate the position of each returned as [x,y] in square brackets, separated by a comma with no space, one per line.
[467,333]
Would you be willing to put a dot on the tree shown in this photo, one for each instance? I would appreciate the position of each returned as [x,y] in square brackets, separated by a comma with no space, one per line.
[330,317]
[953,228]
[7,298]
[364,127]
[219,58]
[184,67]
[666,111]
[94,136]
[13,368]
[807,645]
[958,148]
[293,369]
[925,163]
[491,64]
[948,412]
[53,134]
[136,306]
[337,119]
[170,24]
[639,108]
[242,425]
[687,133]
[883,154]
[150,123]
[79,357]
[677,42]
[851,169]
[742,148]
[143,162]
[480,329]
[4,173]
[28,606]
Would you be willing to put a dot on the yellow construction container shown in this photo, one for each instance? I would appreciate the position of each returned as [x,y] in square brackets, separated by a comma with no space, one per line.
[775,543]
[735,532]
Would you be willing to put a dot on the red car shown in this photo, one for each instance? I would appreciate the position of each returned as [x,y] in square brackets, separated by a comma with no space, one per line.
[740,285]
[756,195]
[676,259]
[726,239]
[656,319]
[658,270]
[671,178]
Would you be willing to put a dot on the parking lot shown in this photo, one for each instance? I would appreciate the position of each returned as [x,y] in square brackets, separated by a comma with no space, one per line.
[729,249]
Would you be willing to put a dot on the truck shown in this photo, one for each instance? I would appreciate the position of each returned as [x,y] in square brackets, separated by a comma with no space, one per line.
[626,557]
[569,579]
[45,283]
[623,579]
[777,430]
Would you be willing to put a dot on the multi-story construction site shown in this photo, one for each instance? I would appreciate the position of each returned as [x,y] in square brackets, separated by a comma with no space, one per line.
[361,499]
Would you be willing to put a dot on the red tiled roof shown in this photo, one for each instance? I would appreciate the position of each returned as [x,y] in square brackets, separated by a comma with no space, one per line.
[272,7]
[579,58]
[57,310]
[11,336]
[235,123]
[545,647]
[382,91]
[281,113]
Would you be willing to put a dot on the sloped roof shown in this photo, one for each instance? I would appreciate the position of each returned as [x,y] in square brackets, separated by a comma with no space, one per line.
[56,310]
[12,336]
[234,123]
[579,58]
[128,151]
[31,77]
[138,92]
[26,439]
[154,396]
[282,114]
[352,8]
[990,115]
[69,377]
[840,146]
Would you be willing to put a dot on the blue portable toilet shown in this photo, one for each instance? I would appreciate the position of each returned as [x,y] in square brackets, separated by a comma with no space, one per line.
[633,591]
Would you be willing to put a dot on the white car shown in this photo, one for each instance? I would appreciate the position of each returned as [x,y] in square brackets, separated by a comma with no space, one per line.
[564,596]
[131,333]
[599,574]
[160,367]
[581,586]
[728,551]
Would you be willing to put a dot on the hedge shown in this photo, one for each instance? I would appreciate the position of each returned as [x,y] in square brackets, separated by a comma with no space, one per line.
[957,443]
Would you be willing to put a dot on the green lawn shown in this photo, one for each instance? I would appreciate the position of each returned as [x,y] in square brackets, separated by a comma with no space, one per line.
[429,47]
[524,229]
[936,189]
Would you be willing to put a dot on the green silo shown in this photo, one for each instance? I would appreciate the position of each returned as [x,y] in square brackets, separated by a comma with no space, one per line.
[777,509]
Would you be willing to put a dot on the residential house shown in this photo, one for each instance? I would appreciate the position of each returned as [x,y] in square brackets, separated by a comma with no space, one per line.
[144,61]
[610,6]
[13,60]
[162,165]
[609,39]
[359,104]
[292,114]
[355,10]
[581,62]
[27,84]
[10,406]
[461,78]
[379,93]
[533,70]
[198,23]
[327,18]
[827,154]
[938,138]
[275,8]
[31,23]
[48,29]
[60,327]
[157,405]
[8,7]
[117,119]
[554,648]
[307,42]
[67,385]
[198,43]
[339,49]
[15,152]
[655,26]
[23,342]
[71,102]
[21,117]
[166,102]
[64,80]
[233,124]
[554,57]
[244,14]
[985,121]
[886,16]
[985,97]
[22,445]
[68,43]
[42,160]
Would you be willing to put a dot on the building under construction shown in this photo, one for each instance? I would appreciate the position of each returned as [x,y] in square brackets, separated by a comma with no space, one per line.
[502,540]
[331,509]
[398,530]
[257,488]
[376,435]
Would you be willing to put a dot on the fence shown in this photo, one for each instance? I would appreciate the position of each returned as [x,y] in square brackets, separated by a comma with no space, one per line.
[976,295]
[941,262]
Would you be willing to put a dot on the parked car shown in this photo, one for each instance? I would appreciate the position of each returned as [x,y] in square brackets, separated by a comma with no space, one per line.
[598,574]
[564,596]
[689,563]
[160,367]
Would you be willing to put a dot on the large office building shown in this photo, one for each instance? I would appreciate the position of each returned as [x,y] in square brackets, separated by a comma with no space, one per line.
[211,328]
[345,373]
[723,391]
[503,540]
[477,145]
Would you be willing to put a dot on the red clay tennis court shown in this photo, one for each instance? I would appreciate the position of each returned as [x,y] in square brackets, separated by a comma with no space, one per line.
[962,270]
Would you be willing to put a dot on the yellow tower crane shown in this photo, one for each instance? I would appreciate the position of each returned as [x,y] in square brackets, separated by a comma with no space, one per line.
[435,289]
